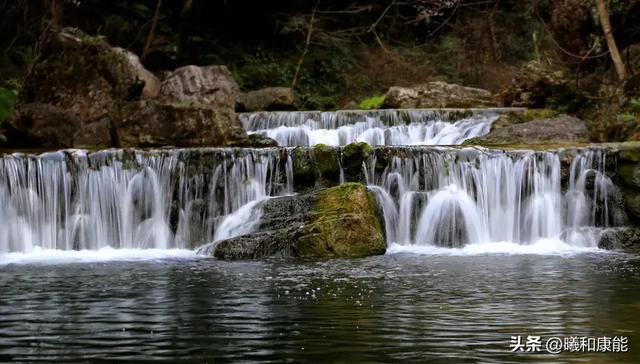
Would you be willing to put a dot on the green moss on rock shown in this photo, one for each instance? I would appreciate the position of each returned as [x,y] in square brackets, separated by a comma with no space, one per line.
[326,159]
[343,223]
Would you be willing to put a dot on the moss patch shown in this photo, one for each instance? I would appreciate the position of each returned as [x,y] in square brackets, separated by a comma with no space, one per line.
[326,159]
[373,102]
[344,223]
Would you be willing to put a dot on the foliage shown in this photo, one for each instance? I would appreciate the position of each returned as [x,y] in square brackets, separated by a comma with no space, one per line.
[373,102]
[633,106]
[7,102]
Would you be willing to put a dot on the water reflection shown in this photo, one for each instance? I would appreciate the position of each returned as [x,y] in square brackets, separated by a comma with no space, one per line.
[384,309]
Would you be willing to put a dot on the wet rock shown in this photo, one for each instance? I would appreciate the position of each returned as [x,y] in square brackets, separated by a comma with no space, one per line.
[304,172]
[267,99]
[341,221]
[626,239]
[562,129]
[256,140]
[630,174]
[148,123]
[437,94]
[632,204]
[326,159]
[353,156]
[210,86]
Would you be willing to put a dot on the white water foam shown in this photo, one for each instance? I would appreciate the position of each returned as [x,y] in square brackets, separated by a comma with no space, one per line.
[107,254]
[540,247]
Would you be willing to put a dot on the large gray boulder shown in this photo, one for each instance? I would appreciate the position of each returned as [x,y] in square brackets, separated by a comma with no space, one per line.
[84,76]
[341,221]
[149,123]
[267,99]
[437,94]
[210,86]
[562,129]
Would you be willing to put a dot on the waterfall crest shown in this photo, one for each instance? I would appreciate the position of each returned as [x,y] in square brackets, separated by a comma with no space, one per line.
[376,127]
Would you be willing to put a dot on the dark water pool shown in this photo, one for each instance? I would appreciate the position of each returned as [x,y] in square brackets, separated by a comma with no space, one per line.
[394,308]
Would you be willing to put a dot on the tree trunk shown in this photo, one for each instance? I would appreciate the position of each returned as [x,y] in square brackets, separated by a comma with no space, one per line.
[611,42]
[306,45]
[152,31]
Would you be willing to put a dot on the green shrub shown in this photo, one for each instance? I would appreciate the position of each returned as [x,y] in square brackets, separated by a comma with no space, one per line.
[373,102]
[7,102]
[633,106]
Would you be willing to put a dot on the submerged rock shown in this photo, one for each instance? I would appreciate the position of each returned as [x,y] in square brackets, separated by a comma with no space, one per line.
[341,221]
[437,94]
[267,99]
[626,239]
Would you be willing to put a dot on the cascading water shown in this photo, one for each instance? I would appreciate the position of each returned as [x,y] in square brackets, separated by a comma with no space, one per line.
[165,199]
[379,127]
[430,196]
[450,197]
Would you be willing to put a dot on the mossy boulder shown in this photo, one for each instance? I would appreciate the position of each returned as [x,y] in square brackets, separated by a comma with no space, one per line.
[338,222]
[304,170]
[326,158]
[344,223]
[353,155]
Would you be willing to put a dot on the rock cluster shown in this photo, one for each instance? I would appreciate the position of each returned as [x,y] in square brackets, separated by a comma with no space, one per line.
[82,92]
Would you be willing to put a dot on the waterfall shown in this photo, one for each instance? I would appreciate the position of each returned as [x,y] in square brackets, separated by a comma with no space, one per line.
[133,199]
[377,127]
[452,197]
[183,198]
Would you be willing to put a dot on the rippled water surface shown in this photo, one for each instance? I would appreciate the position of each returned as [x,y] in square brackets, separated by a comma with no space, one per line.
[399,307]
